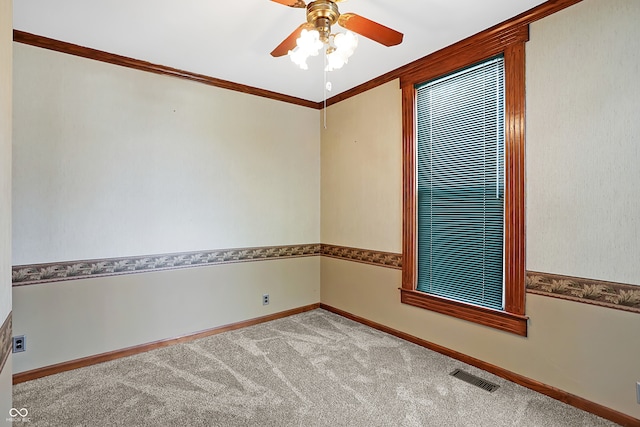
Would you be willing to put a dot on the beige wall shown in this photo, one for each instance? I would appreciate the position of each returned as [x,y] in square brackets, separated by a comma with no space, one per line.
[585,350]
[361,206]
[68,320]
[111,161]
[582,349]
[6,384]
[583,142]
[113,140]
[6,36]
[6,59]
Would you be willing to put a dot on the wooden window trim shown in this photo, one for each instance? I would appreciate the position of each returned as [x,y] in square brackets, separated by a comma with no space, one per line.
[509,42]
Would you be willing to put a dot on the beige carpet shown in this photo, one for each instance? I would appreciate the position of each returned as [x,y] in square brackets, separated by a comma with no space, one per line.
[312,369]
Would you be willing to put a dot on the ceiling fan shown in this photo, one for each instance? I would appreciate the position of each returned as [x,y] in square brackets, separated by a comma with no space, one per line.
[321,15]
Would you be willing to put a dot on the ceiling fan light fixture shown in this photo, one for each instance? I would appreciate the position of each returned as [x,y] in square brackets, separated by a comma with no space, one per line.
[321,15]
[335,61]
[309,41]
[299,57]
[345,45]
[347,41]
[308,44]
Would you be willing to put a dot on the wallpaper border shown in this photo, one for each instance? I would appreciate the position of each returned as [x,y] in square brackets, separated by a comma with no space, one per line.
[32,274]
[5,340]
[71,270]
[620,296]
[366,256]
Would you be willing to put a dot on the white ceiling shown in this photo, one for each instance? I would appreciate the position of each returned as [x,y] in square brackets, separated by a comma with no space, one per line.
[231,40]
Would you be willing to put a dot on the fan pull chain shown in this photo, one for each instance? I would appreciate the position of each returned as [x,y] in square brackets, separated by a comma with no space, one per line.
[324,89]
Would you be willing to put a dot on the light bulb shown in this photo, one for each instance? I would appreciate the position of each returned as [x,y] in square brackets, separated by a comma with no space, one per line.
[351,40]
[317,44]
[309,41]
[299,57]
[335,61]
[346,41]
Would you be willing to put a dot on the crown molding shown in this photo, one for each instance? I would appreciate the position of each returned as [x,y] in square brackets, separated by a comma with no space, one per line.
[524,19]
[112,58]
[500,34]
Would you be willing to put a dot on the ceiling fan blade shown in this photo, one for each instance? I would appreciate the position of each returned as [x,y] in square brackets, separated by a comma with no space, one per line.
[291,3]
[289,43]
[370,29]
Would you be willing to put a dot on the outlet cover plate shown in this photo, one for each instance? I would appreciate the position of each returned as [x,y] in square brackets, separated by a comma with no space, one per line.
[265,299]
[638,391]
[19,344]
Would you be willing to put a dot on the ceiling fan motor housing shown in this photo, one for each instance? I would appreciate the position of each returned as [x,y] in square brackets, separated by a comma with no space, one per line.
[323,14]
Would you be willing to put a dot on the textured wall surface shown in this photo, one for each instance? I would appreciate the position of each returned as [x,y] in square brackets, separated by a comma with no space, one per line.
[6,60]
[6,384]
[583,349]
[361,159]
[78,318]
[111,162]
[586,350]
[583,142]
[6,70]
[111,170]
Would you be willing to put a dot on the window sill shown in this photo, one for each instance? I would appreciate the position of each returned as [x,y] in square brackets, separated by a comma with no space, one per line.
[509,322]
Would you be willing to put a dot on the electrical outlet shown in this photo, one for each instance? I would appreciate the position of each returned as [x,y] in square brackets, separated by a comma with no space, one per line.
[265,299]
[638,391]
[19,343]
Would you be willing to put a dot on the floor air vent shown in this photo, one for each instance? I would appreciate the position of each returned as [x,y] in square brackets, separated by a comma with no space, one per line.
[476,381]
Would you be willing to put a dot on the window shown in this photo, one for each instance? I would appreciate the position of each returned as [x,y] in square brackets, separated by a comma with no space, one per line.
[460,184]
[463,178]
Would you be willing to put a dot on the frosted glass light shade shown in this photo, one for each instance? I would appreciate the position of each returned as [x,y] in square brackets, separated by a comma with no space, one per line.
[345,44]
[308,44]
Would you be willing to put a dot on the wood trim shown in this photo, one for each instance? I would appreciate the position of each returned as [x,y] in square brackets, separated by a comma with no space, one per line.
[618,296]
[553,392]
[537,13]
[130,351]
[524,19]
[5,340]
[507,27]
[371,84]
[111,58]
[511,45]
[514,215]
[505,321]
[409,241]
[462,54]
